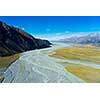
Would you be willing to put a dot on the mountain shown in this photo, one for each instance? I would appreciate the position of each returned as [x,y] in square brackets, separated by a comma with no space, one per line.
[93,38]
[14,40]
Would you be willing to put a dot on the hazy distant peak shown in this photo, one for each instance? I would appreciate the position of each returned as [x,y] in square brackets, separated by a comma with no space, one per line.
[93,38]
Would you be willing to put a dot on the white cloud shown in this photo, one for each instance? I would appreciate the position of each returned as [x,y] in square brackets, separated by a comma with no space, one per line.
[53,36]
[23,28]
[58,36]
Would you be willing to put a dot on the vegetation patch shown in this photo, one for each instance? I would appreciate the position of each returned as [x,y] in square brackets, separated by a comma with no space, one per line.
[88,74]
[81,53]
[5,62]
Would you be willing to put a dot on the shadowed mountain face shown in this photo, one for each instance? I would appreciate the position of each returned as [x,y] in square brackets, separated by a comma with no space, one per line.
[92,38]
[14,40]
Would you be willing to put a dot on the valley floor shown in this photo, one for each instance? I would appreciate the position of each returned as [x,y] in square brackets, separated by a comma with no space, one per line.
[60,63]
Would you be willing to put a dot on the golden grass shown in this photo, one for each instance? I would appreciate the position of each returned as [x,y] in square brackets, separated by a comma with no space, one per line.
[6,61]
[81,53]
[1,78]
[88,74]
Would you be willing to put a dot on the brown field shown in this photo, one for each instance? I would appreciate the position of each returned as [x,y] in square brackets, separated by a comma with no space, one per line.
[1,78]
[86,73]
[82,53]
[5,62]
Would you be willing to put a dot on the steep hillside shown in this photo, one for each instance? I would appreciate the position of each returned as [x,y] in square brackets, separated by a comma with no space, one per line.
[14,40]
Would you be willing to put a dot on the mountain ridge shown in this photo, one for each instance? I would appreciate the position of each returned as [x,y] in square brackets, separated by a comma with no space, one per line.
[15,40]
[93,38]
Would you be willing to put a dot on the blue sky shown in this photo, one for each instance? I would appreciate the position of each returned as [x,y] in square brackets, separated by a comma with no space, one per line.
[55,26]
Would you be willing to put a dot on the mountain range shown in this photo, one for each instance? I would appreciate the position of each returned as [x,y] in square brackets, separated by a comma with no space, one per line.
[93,38]
[15,40]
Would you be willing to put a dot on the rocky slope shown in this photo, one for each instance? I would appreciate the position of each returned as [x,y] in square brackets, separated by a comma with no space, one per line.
[14,40]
